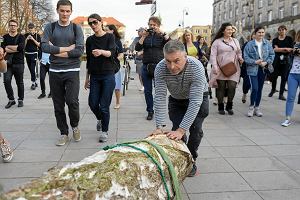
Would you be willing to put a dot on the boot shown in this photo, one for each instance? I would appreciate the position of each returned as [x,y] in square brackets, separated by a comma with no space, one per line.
[221,108]
[229,108]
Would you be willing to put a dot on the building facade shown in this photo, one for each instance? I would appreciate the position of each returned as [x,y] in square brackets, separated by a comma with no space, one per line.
[247,14]
[204,31]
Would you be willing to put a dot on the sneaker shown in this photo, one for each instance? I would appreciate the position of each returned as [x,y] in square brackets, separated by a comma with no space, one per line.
[250,111]
[150,116]
[244,98]
[32,86]
[20,103]
[215,101]
[271,93]
[286,123]
[98,126]
[36,85]
[193,171]
[281,97]
[141,89]
[6,151]
[257,112]
[76,134]
[43,95]
[117,106]
[103,136]
[62,140]
[10,104]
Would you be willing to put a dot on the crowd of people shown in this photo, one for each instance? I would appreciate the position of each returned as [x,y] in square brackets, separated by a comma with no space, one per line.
[178,66]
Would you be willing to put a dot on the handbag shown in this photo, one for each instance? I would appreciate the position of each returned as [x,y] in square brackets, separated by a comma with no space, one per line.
[116,64]
[150,69]
[228,69]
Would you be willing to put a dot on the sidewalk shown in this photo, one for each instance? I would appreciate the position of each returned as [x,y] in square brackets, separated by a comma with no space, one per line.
[240,158]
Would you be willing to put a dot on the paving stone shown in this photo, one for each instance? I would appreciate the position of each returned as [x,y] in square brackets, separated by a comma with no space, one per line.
[248,195]
[292,194]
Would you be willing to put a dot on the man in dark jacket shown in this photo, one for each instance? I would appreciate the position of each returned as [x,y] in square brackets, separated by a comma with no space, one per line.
[152,43]
[13,45]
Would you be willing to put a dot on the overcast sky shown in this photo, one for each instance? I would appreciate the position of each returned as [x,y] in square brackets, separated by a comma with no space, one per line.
[133,16]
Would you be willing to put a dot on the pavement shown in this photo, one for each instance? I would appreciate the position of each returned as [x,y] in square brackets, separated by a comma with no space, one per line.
[240,158]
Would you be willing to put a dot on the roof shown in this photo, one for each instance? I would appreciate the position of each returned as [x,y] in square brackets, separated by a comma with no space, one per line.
[108,20]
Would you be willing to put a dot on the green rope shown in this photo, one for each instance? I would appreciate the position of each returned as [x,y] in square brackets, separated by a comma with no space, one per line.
[165,157]
[161,172]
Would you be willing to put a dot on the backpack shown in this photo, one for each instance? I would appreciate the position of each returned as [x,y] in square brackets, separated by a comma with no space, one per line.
[53,28]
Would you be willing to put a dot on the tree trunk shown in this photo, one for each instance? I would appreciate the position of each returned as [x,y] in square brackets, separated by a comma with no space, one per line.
[117,173]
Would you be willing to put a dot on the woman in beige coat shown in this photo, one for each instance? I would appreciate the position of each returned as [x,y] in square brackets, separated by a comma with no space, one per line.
[225,49]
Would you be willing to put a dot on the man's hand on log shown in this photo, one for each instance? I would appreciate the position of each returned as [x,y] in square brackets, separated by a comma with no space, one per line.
[176,135]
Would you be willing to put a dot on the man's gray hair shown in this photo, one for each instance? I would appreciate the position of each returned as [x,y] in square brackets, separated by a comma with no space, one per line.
[174,46]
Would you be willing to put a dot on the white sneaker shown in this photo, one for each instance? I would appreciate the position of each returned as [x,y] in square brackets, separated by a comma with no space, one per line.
[257,112]
[250,111]
[103,137]
[142,89]
[286,123]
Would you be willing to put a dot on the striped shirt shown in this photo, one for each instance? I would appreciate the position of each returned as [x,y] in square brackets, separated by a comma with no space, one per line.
[189,84]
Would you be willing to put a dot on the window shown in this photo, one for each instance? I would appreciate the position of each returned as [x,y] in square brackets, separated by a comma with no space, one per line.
[295,9]
[236,11]
[243,22]
[269,15]
[225,15]
[244,8]
[280,14]
[230,14]
[219,17]
[270,2]
[260,3]
[259,18]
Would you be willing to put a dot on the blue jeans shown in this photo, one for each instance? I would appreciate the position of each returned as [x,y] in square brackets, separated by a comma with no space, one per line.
[147,81]
[257,84]
[293,84]
[101,91]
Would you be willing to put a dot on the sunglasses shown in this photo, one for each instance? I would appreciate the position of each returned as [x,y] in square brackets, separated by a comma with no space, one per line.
[95,22]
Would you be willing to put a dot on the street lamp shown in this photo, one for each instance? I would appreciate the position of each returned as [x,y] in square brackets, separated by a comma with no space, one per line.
[184,12]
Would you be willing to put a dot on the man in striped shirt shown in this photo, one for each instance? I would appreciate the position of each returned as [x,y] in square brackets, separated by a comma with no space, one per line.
[184,77]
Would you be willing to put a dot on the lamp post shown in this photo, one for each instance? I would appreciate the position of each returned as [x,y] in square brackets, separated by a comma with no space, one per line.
[184,12]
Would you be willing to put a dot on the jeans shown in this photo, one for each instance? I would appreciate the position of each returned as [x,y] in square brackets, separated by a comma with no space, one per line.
[293,84]
[177,109]
[31,62]
[101,91]
[147,81]
[231,86]
[279,70]
[16,70]
[257,84]
[65,90]
[44,69]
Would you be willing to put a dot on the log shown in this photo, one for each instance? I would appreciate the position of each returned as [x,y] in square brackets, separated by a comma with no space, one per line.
[123,171]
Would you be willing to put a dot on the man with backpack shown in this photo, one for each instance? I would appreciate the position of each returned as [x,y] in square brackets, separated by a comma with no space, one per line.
[13,46]
[64,42]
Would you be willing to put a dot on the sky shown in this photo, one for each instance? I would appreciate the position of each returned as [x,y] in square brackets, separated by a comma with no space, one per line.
[135,16]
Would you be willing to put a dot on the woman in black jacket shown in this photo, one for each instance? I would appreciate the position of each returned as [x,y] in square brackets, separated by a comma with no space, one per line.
[100,77]
[152,43]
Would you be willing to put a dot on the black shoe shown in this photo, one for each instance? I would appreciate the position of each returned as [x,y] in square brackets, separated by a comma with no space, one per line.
[42,96]
[50,95]
[10,104]
[271,93]
[281,97]
[36,85]
[222,112]
[150,116]
[230,112]
[20,103]
[32,86]
[193,171]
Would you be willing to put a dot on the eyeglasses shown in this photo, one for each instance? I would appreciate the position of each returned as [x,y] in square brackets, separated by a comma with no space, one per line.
[95,22]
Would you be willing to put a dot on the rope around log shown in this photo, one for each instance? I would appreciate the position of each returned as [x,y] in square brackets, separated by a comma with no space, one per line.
[166,159]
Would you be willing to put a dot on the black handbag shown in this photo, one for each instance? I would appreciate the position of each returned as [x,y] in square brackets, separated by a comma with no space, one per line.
[150,69]
[116,64]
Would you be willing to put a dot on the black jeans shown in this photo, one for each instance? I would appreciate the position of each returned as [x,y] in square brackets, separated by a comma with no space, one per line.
[177,109]
[222,85]
[31,62]
[280,70]
[16,70]
[65,89]
[44,69]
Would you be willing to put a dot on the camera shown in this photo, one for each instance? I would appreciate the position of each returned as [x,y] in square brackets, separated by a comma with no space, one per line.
[296,51]
[150,30]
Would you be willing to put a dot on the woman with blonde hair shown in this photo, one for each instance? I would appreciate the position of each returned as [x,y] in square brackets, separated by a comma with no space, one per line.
[293,82]
[192,48]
